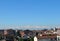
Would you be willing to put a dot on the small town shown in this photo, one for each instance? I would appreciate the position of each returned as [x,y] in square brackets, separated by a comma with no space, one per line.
[30,35]
[29,20]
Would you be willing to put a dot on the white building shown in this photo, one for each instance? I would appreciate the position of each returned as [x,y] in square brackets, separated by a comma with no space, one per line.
[58,37]
[35,38]
[58,34]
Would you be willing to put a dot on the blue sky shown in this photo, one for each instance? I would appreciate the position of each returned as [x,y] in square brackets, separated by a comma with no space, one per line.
[30,12]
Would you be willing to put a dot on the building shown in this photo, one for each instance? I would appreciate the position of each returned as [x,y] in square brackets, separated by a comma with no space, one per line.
[58,34]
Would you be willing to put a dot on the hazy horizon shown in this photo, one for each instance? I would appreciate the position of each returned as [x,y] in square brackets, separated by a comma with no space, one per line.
[29,27]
